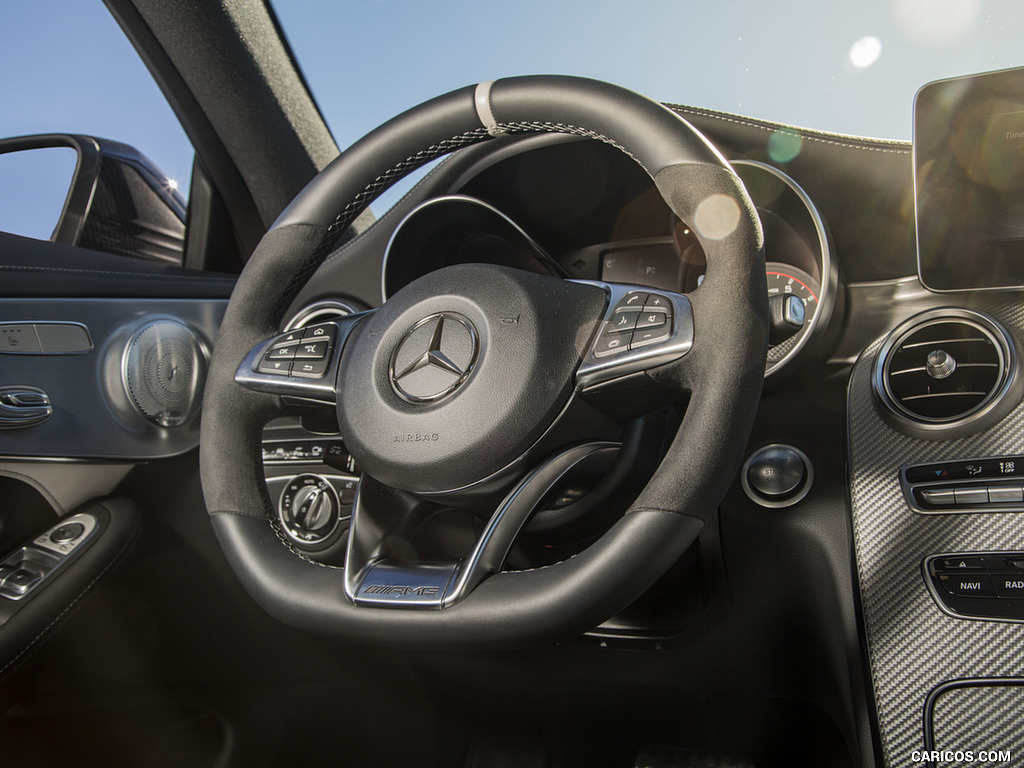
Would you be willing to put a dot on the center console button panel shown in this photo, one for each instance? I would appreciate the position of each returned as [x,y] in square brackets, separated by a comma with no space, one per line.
[970,485]
[978,585]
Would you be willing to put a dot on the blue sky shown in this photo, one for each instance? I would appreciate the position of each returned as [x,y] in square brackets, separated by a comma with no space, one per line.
[66,66]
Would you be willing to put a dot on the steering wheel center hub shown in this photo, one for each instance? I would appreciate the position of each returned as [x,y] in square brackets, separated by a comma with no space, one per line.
[435,357]
[460,372]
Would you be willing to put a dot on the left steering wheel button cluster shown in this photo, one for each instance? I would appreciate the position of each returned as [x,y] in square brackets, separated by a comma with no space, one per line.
[302,354]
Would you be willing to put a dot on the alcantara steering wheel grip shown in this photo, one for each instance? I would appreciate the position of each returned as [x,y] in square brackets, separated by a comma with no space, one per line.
[436,395]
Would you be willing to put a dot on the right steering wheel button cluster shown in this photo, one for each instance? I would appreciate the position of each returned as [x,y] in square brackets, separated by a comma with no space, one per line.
[639,319]
[641,329]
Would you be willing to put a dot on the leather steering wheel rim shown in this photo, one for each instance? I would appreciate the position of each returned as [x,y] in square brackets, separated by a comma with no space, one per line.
[723,372]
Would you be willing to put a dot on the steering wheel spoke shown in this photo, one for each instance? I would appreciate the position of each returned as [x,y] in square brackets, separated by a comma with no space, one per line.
[299,364]
[642,328]
[375,576]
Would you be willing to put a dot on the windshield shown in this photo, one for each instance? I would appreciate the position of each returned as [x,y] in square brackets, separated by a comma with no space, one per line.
[852,68]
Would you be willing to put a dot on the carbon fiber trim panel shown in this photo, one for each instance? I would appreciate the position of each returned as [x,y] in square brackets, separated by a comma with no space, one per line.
[980,719]
[913,646]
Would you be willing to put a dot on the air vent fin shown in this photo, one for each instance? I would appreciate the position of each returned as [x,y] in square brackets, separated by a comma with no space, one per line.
[944,368]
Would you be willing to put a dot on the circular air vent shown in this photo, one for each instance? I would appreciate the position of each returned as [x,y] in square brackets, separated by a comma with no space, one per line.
[947,370]
[318,312]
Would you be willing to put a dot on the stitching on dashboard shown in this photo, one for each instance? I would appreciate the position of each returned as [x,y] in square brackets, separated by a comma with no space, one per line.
[143,275]
[9,667]
[870,145]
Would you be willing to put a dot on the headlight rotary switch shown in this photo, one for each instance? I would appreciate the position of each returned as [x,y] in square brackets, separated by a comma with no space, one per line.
[777,476]
[309,509]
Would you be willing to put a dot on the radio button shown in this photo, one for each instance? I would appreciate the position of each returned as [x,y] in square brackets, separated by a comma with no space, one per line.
[1011,585]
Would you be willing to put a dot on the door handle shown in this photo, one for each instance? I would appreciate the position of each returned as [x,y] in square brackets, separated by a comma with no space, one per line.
[23,407]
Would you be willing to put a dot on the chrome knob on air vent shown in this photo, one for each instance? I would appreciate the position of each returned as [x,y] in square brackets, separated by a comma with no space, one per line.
[947,373]
[939,364]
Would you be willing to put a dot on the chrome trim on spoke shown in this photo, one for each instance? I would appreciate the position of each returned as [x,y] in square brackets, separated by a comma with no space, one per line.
[383,582]
[511,515]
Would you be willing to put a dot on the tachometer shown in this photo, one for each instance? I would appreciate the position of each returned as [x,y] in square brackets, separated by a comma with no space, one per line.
[787,279]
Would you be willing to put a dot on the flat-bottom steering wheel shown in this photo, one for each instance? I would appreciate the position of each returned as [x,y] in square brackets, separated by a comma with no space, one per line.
[479,378]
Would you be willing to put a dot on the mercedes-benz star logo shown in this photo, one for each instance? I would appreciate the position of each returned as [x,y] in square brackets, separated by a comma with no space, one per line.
[434,357]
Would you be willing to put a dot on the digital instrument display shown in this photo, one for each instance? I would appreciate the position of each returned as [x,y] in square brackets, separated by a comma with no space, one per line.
[653,266]
[969,181]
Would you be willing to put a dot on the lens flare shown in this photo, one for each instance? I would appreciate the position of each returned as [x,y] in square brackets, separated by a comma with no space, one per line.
[784,145]
[865,51]
[716,217]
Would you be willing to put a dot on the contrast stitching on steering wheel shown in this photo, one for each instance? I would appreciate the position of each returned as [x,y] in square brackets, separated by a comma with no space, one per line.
[348,245]
[370,192]
[276,528]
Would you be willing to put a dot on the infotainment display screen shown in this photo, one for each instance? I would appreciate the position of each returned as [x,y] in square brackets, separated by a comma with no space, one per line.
[969,181]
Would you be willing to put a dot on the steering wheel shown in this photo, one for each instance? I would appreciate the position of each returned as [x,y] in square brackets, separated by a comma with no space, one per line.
[478,382]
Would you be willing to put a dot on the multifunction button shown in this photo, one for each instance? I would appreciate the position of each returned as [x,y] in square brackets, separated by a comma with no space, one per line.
[638,320]
[303,353]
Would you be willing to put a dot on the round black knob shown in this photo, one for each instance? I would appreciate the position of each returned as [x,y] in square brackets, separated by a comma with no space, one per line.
[777,476]
[66,533]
